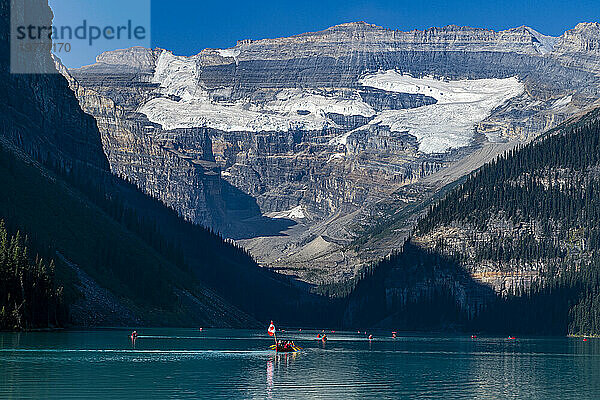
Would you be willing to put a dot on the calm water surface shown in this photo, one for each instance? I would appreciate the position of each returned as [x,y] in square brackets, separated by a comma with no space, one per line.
[180,363]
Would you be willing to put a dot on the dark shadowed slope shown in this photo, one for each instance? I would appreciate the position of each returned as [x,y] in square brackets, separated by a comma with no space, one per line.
[123,257]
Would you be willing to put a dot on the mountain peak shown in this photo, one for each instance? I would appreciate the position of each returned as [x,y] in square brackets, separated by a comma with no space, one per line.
[590,30]
[585,36]
[356,25]
[543,43]
[587,26]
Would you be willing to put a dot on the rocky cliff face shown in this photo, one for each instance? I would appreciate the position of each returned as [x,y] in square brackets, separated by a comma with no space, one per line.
[105,236]
[41,115]
[300,147]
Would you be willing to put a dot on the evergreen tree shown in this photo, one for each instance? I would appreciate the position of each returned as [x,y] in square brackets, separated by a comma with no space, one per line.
[28,296]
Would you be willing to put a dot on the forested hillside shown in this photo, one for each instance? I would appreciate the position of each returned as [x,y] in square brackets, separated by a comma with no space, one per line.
[29,296]
[131,272]
[526,225]
[123,257]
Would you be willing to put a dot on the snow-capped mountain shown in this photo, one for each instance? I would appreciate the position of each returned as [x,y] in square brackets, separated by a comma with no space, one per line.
[302,148]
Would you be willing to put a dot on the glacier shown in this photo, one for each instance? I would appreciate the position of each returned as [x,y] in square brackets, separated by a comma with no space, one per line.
[440,127]
[450,123]
[292,108]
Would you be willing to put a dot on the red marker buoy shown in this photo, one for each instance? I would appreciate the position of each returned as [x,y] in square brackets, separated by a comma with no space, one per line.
[370,337]
[585,339]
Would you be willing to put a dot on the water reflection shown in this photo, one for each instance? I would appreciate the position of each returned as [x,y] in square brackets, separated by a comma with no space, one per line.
[276,363]
[270,362]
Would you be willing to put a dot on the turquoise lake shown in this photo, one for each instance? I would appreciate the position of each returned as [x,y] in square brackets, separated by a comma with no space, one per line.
[237,364]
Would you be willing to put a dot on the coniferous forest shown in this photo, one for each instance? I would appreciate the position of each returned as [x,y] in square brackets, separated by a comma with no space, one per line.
[538,205]
[29,296]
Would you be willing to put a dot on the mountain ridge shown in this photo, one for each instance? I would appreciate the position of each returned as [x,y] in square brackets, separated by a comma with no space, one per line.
[322,121]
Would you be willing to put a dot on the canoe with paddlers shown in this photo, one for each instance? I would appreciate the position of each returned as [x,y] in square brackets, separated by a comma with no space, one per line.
[281,346]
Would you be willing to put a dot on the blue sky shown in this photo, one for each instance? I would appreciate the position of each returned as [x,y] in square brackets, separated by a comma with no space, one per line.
[101,14]
[188,26]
